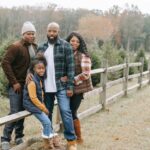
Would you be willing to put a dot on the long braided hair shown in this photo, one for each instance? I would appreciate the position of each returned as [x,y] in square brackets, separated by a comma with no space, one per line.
[82,47]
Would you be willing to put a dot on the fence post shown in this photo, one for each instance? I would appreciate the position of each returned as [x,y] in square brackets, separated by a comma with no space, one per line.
[103,83]
[141,71]
[58,119]
[125,74]
[149,70]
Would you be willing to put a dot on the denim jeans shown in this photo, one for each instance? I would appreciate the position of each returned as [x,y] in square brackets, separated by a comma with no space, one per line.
[66,115]
[16,105]
[46,123]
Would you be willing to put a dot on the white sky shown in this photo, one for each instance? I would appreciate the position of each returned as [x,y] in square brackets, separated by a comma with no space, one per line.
[143,5]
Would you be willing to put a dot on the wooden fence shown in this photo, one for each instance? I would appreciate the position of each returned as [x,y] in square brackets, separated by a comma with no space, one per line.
[143,79]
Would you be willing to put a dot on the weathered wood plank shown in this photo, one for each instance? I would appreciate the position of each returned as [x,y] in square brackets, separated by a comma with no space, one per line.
[133,76]
[112,98]
[145,82]
[112,83]
[137,75]
[126,76]
[103,84]
[133,87]
[116,68]
[145,73]
[141,72]
[95,71]
[90,111]
[14,117]
[135,64]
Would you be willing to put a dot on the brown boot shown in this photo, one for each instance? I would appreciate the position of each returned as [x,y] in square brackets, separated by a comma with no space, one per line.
[48,144]
[57,143]
[77,128]
[72,145]
[51,145]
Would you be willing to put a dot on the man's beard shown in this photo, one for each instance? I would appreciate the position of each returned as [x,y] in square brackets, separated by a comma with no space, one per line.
[52,41]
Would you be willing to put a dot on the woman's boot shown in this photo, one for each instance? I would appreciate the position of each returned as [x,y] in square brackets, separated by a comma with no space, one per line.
[77,128]
[72,145]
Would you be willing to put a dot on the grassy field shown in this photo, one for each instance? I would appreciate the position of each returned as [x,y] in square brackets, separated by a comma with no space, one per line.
[124,126]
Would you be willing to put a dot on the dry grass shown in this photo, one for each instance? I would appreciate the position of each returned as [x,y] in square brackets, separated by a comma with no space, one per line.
[124,126]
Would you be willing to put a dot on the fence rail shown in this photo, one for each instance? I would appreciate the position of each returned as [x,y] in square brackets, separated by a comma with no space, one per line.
[105,84]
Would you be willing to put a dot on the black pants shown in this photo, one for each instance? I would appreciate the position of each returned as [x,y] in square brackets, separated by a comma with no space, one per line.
[49,102]
[75,102]
[16,105]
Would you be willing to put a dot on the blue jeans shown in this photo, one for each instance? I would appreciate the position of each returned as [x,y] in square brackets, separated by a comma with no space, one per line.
[66,115]
[46,123]
[16,105]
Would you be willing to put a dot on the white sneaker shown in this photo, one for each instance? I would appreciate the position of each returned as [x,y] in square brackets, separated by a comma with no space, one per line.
[5,145]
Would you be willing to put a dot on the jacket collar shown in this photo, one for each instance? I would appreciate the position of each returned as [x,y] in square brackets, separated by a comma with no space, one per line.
[23,42]
[37,77]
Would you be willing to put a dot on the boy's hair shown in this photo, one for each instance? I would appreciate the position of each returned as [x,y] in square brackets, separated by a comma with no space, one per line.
[38,59]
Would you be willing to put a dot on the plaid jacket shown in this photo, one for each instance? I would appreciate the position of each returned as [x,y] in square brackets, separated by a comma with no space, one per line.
[64,63]
[83,81]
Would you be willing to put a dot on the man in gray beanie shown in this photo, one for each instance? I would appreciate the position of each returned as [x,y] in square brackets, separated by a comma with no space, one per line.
[15,65]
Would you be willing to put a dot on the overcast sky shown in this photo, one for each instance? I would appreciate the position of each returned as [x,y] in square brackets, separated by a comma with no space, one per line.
[143,5]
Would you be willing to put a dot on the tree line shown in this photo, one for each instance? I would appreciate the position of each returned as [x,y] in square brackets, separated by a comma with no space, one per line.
[114,34]
[128,28]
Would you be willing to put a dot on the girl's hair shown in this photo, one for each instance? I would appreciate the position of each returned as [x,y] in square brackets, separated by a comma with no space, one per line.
[82,47]
[37,59]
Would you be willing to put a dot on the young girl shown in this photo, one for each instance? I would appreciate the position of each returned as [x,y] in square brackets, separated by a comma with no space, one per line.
[33,100]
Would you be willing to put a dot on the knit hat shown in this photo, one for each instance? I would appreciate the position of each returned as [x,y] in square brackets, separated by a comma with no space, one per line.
[27,26]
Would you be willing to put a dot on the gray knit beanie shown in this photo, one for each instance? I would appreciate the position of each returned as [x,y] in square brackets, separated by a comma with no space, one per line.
[27,26]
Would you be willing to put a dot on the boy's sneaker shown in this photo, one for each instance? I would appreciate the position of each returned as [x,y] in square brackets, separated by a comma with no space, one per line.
[18,141]
[5,145]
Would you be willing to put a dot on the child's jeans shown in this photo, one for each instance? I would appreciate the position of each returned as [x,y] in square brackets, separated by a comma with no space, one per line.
[46,123]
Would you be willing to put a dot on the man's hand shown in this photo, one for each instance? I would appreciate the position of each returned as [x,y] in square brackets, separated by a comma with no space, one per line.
[29,78]
[17,88]
[69,93]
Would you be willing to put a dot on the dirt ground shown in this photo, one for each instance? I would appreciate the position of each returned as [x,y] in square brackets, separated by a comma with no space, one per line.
[125,125]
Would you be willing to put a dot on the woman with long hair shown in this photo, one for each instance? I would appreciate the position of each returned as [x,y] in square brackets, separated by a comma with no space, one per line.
[82,80]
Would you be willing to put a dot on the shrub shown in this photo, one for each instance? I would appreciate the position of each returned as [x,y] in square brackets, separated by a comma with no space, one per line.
[114,57]
[141,54]
[3,79]
[96,63]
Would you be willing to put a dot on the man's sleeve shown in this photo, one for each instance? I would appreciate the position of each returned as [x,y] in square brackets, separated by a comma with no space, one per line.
[10,56]
[70,66]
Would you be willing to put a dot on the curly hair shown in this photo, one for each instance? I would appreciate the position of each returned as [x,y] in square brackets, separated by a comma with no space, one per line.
[82,47]
[36,60]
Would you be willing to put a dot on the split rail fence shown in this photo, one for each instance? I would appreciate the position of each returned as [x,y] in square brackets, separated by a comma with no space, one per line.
[143,79]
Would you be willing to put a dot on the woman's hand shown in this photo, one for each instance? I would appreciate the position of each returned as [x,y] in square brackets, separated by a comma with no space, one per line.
[69,93]
[64,79]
